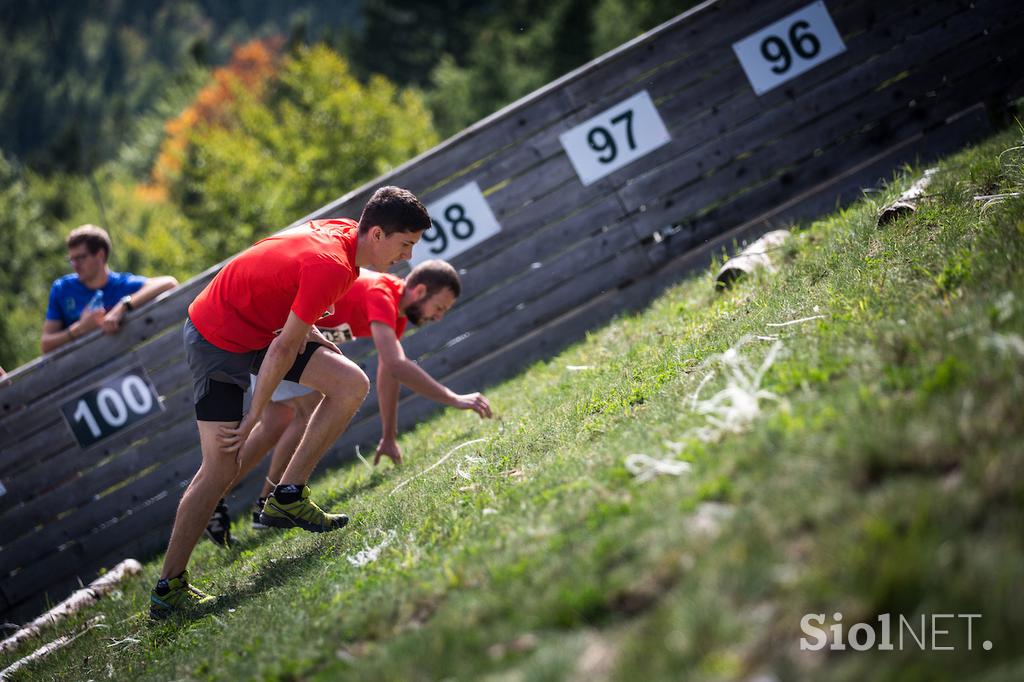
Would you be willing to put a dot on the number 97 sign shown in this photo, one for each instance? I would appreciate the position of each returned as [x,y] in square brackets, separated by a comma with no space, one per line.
[114,404]
[614,138]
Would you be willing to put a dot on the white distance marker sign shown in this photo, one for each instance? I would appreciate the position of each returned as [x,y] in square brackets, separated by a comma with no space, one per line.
[614,138]
[458,221]
[113,404]
[789,47]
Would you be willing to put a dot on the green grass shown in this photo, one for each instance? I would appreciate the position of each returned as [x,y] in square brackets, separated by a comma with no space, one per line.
[888,478]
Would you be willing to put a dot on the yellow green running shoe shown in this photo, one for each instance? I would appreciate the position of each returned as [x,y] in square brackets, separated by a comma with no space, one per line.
[303,513]
[176,595]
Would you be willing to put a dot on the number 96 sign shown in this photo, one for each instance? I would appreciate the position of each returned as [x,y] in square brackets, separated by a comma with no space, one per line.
[789,47]
[114,404]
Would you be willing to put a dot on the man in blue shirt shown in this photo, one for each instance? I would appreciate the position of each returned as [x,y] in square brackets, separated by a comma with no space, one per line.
[94,297]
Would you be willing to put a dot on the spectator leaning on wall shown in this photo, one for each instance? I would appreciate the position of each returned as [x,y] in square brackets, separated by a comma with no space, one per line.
[94,297]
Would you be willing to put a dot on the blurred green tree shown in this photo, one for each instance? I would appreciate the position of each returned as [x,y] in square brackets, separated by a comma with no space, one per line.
[28,261]
[619,21]
[277,150]
[404,39]
[525,44]
[77,75]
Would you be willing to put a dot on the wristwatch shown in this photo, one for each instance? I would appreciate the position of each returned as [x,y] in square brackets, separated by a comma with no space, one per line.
[127,301]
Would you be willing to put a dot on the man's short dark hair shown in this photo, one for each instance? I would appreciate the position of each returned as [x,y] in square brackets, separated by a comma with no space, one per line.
[95,238]
[436,275]
[395,210]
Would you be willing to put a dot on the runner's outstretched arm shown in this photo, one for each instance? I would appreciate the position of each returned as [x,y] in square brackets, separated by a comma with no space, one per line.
[392,358]
[387,398]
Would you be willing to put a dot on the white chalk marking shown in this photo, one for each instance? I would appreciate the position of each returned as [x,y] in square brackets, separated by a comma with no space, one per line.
[435,464]
[644,467]
[370,554]
[802,319]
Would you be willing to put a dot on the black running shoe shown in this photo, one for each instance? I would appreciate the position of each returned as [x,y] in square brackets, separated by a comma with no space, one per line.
[257,509]
[219,527]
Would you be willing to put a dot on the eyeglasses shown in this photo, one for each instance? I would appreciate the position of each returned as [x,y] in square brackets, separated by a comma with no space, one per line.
[80,257]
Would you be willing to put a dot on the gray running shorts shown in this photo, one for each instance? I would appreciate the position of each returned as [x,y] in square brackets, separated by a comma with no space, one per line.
[220,378]
[286,390]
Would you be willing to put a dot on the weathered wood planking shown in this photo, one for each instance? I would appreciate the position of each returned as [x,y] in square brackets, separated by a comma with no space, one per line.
[851,100]
[49,536]
[730,85]
[141,544]
[82,489]
[79,553]
[177,406]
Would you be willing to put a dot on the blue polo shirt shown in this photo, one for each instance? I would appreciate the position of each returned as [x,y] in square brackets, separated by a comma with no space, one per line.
[68,296]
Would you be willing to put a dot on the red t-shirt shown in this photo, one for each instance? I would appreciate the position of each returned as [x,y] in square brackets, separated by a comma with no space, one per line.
[374,297]
[303,270]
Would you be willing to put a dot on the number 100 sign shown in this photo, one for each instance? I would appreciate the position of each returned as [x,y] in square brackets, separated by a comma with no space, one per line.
[614,138]
[110,406]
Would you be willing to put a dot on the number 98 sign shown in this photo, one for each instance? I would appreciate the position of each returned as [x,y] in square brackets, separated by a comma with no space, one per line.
[111,406]
[458,221]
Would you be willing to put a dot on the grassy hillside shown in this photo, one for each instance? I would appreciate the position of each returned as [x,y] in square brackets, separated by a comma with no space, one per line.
[879,471]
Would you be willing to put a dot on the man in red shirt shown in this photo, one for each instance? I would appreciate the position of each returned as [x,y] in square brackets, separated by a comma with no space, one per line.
[378,306]
[258,313]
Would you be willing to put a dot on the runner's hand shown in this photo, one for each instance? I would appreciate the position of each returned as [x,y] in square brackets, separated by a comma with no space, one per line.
[233,438]
[476,402]
[388,447]
[316,336]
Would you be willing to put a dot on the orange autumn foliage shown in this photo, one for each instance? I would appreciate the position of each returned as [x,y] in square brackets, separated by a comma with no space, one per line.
[251,68]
